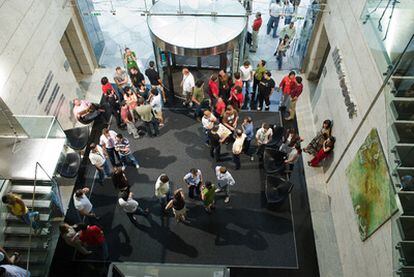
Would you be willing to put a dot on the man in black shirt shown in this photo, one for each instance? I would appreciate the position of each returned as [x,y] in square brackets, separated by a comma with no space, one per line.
[266,88]
[155,79]
[136,77]
[215,143]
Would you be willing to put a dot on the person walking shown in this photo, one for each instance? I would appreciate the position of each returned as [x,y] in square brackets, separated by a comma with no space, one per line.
[93,236]
[294,95]
[194,180]
[83,204]
[208,195]
[275,12]
[266,88]
[178,206]
[224,182]
[288,31]
[107,142]
[248,129]
[286,86]
[258,75]
[238,147]
[71,238]
[147,116]
[198,99]
[162,190]
[18,208]
[98,158]
[288,12]
[130,206]
[123,148]
[257,23]
[246,74]
[130,59]
[187,85]
[263,137]
[292,158]
[281,51]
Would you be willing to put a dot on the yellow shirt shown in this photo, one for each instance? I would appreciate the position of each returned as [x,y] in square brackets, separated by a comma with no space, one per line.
[17,209]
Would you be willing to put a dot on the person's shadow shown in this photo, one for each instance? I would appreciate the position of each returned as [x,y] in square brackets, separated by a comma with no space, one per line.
[120,243]
[150,158]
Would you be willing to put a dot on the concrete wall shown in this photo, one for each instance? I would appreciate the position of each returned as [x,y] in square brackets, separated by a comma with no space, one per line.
[372,257]
[33,78]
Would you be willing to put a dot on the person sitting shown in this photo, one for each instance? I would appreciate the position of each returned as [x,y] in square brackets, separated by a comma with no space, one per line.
[18,208]
[316,143]
[230,118]
[327,148]
[84,111]
[6,259]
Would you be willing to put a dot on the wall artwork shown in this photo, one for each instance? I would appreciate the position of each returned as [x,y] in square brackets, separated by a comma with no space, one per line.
[370,186]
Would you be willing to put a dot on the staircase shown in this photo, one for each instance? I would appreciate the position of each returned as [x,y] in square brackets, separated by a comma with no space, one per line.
[17,234]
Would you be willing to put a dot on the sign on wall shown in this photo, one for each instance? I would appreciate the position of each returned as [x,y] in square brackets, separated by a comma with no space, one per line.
[340,70]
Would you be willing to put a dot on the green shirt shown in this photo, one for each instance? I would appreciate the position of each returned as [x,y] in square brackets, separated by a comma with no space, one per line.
[130,61]
[209,195]
[198,94]
[260,70]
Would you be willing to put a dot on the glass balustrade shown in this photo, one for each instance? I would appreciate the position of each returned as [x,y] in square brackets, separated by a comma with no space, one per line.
[37,126]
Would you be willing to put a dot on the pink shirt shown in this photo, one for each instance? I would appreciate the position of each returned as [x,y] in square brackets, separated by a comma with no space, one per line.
[83,106]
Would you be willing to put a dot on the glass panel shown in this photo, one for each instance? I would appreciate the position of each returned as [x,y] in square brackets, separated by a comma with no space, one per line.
[41,126]
[210,62]
[185,61]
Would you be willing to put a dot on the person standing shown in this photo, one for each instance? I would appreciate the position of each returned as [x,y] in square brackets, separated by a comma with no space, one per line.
[127,119]
[120,181]
[246,74]
[107,142]
[137,78]
[294,95]
[194,180]
[213,89]
[257,23]
[236,97]
[281,51]
[224,84]
[248,129]
[147,116]
[238,147]
[275,11]
[224,181]
[208,195]
[178,206]
[111,98]
[124,150]
[288,31]
[121,81]
[288,12]
[130,59]
[162,190]
[266,88]
[16,207]
[292,158]
[286,86]
[198,98]
[263,137]
[208,121]
[258,75]
[92,235]
[230,118]
[130,206]
[215,143]
[219,107]
[83,204]
[154,79]
[187,84]
[69,235]
[98,158]
[156,103]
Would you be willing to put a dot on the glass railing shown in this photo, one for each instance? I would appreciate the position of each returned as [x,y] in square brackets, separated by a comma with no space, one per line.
[387,28]
[38,126]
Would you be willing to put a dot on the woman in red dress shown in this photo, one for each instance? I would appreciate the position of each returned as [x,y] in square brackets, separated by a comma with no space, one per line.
[327,147]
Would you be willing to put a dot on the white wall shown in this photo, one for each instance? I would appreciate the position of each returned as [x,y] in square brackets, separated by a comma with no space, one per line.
[30,48]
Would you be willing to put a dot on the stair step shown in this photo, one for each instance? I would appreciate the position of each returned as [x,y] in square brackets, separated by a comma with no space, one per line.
[30,183]
[29,189]
[12,218]
[37,203]
[24,231]
[23,243]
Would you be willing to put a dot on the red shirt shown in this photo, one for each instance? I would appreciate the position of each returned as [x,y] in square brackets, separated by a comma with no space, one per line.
[106,88]
[220,107]
[257,23]
[92,236]
[213,88]
[287,85]
[297,90]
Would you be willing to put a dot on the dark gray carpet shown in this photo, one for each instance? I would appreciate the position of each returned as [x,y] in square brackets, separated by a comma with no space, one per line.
[241,233]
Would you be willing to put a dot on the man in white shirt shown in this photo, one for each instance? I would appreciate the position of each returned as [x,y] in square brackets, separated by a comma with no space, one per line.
[263,137]
[162,190]
[83,204]
[187,84]
[98,158]
[194,180]
[107,141]
[275,11]
[224,181]
[130,206]
[208,121]
[238,147]
[289,31]
[246,75]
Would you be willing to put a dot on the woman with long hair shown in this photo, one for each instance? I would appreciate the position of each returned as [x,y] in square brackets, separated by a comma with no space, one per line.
[327,148]
[316,143]
[178,206]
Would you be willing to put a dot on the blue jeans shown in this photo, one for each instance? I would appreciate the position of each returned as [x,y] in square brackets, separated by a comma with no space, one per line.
[279,59]
[125,158]
[28,219]
[247,90]
[288,19]
[273,23]
[164,200]
[106,172]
